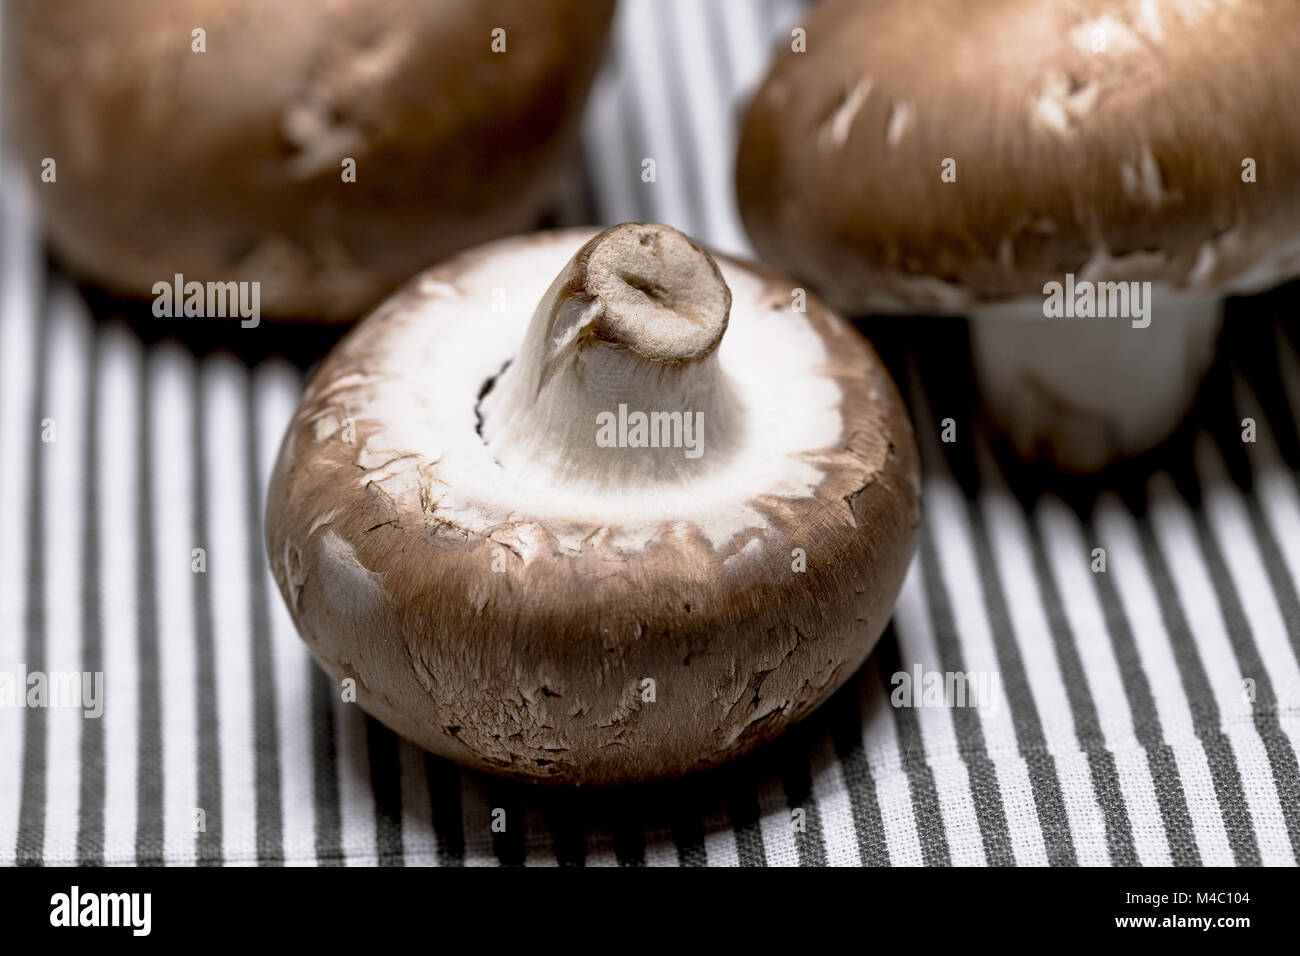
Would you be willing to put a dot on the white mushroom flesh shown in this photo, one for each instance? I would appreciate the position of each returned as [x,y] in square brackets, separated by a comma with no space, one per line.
[1083,392]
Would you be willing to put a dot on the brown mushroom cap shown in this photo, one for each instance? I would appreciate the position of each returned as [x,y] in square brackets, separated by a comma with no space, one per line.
[1099,137]
[506,612]
[226,164]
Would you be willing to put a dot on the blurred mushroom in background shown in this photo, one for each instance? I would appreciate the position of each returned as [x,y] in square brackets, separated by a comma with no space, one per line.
[1085,181]
[326,150]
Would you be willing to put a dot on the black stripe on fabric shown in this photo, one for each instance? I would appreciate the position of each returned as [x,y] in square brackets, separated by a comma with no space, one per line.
[207,840]
[149,834]
[443,779]
[266,736]
[325,767]
[1261,370]
[986,793]
[926,811]
[1270,554]
[796,780]
[741,794]
[386,784]
[588,204]
[1163,765]
[1087,722]
[510,844]
[1256,347]
[864,806]
[1200,698]
[1264,706]
[90,828]
[1289,325]
[30,848]
[628,825]
[1266,381]
[629,831]
[565,817]
[688,823]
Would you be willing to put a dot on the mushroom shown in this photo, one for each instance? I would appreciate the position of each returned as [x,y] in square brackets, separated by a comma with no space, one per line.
[975,158]
[327,151]
[554,525]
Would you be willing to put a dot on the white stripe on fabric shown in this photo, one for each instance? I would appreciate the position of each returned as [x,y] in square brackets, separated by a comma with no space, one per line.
[228,526]
[776,823]
[539,849]
[599,847]
[19,284]
[65,404]
[720,839]
[893,790]
[747,40]
[171,400]
[118,502]
[356,798]
[660,850]
[832,796]
[418,845]
[476,816]
[118,498]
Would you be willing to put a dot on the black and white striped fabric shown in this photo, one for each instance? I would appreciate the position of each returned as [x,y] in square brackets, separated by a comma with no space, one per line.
[1147,714]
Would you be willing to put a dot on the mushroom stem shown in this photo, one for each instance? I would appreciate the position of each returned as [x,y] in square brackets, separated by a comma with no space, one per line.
[617,383]
[1083,392]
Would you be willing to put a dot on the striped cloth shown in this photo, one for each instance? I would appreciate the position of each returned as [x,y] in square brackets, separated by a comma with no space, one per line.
[1149,714]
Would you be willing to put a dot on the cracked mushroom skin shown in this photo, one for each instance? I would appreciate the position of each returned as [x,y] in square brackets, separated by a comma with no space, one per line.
[1108,139]
[227,164]
[510,591]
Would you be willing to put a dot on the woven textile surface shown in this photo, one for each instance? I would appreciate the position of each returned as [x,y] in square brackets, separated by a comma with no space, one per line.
[1147,714]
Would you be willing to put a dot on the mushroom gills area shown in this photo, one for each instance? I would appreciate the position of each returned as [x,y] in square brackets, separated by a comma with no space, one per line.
[427,443]
[617,385]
